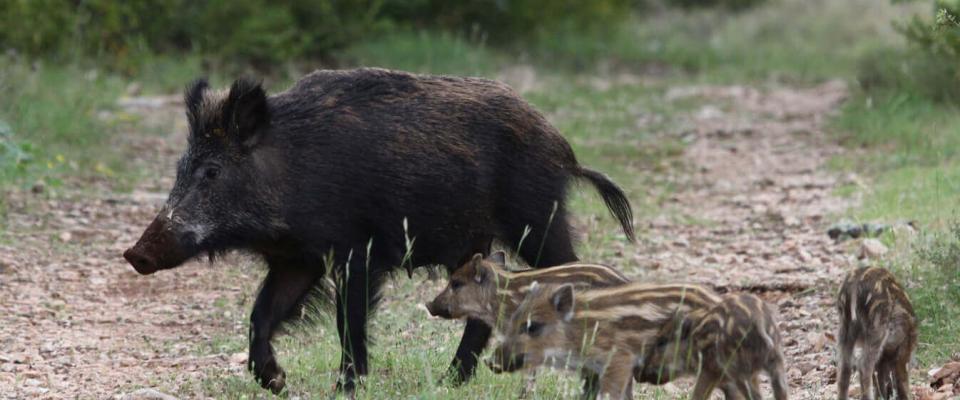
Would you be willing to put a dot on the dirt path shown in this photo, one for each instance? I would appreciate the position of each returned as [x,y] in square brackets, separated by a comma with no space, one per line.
[76,321]
[752,214]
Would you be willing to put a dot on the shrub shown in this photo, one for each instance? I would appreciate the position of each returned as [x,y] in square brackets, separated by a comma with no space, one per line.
[729,4]
[943,250]
[930,66]
[264,32]
[506,20]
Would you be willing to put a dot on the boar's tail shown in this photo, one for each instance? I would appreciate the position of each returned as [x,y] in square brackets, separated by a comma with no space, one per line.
[614,197]
[319,302]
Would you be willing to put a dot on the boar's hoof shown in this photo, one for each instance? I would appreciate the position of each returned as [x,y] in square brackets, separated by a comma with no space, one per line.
[271,376]
[347,385]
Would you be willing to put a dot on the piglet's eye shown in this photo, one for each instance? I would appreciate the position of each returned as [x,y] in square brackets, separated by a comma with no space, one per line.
[456,284]
[534,328]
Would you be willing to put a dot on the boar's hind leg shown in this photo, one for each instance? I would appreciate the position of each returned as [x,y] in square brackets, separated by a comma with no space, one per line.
[548,241]
[356,296]
[284,289]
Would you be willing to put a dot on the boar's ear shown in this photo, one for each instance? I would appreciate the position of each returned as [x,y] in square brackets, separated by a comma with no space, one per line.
[498,257]
[193,97]
[562,300]
[245,112]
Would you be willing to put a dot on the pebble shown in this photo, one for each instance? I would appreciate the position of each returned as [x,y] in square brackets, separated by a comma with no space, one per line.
[872,249]
[238,358]
[147,394]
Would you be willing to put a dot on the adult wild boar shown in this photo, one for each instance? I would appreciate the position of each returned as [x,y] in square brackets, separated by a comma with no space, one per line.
[352,166]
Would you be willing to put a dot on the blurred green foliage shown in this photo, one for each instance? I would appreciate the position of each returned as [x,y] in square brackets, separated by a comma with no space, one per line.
[261,32]
[930,66]
[728,4]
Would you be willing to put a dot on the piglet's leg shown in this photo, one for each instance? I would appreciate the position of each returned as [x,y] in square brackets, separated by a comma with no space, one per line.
[731,391]
[706,382]
[845,367]
[902,379]
[617,377]
[872,349]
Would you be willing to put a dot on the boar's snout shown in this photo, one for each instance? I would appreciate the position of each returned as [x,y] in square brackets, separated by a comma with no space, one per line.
[158,248]
[140,260]
[438,310]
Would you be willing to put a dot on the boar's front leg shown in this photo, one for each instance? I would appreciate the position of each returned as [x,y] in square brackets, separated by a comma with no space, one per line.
[284,289]
[475,337]
[356,297]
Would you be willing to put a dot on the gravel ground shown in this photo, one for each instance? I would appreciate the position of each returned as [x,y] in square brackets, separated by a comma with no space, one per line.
[753,202]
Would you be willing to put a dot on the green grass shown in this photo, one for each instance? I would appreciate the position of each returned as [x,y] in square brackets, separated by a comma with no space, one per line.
[425,52]
[929,267]
[49,123]
[788,40]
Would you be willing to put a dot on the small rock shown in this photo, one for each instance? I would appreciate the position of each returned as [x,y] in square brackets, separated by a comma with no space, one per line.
[147,394]
[805,367]
[65,236]
[238,358]
[803,255]
[38,187]
[134,89]
[709,112]
[872,249]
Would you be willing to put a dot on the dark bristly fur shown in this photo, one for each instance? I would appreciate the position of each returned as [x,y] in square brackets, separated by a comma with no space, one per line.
[726,347]
[360,164]
[876,314]
[603,333]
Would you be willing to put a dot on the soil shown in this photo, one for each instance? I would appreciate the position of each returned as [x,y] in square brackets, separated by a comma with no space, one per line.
[753,200]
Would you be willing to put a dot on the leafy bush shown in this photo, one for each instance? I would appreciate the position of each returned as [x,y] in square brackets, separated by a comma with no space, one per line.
[930,67]
[264,32]
[943,250]
[259,31]
[729,4]
[507,20]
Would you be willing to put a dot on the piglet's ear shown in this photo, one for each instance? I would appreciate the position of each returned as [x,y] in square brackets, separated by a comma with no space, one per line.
[562,300]
[498,257]
[481,272]
[245,112]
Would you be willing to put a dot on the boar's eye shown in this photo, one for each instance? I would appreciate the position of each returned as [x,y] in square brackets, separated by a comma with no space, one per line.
[534,328]
[209,172]
[456,284]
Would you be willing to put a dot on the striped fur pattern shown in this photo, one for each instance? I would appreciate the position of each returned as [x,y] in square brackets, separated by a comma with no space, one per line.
[602,332]
[486,290]
[726,346]
[876,314]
